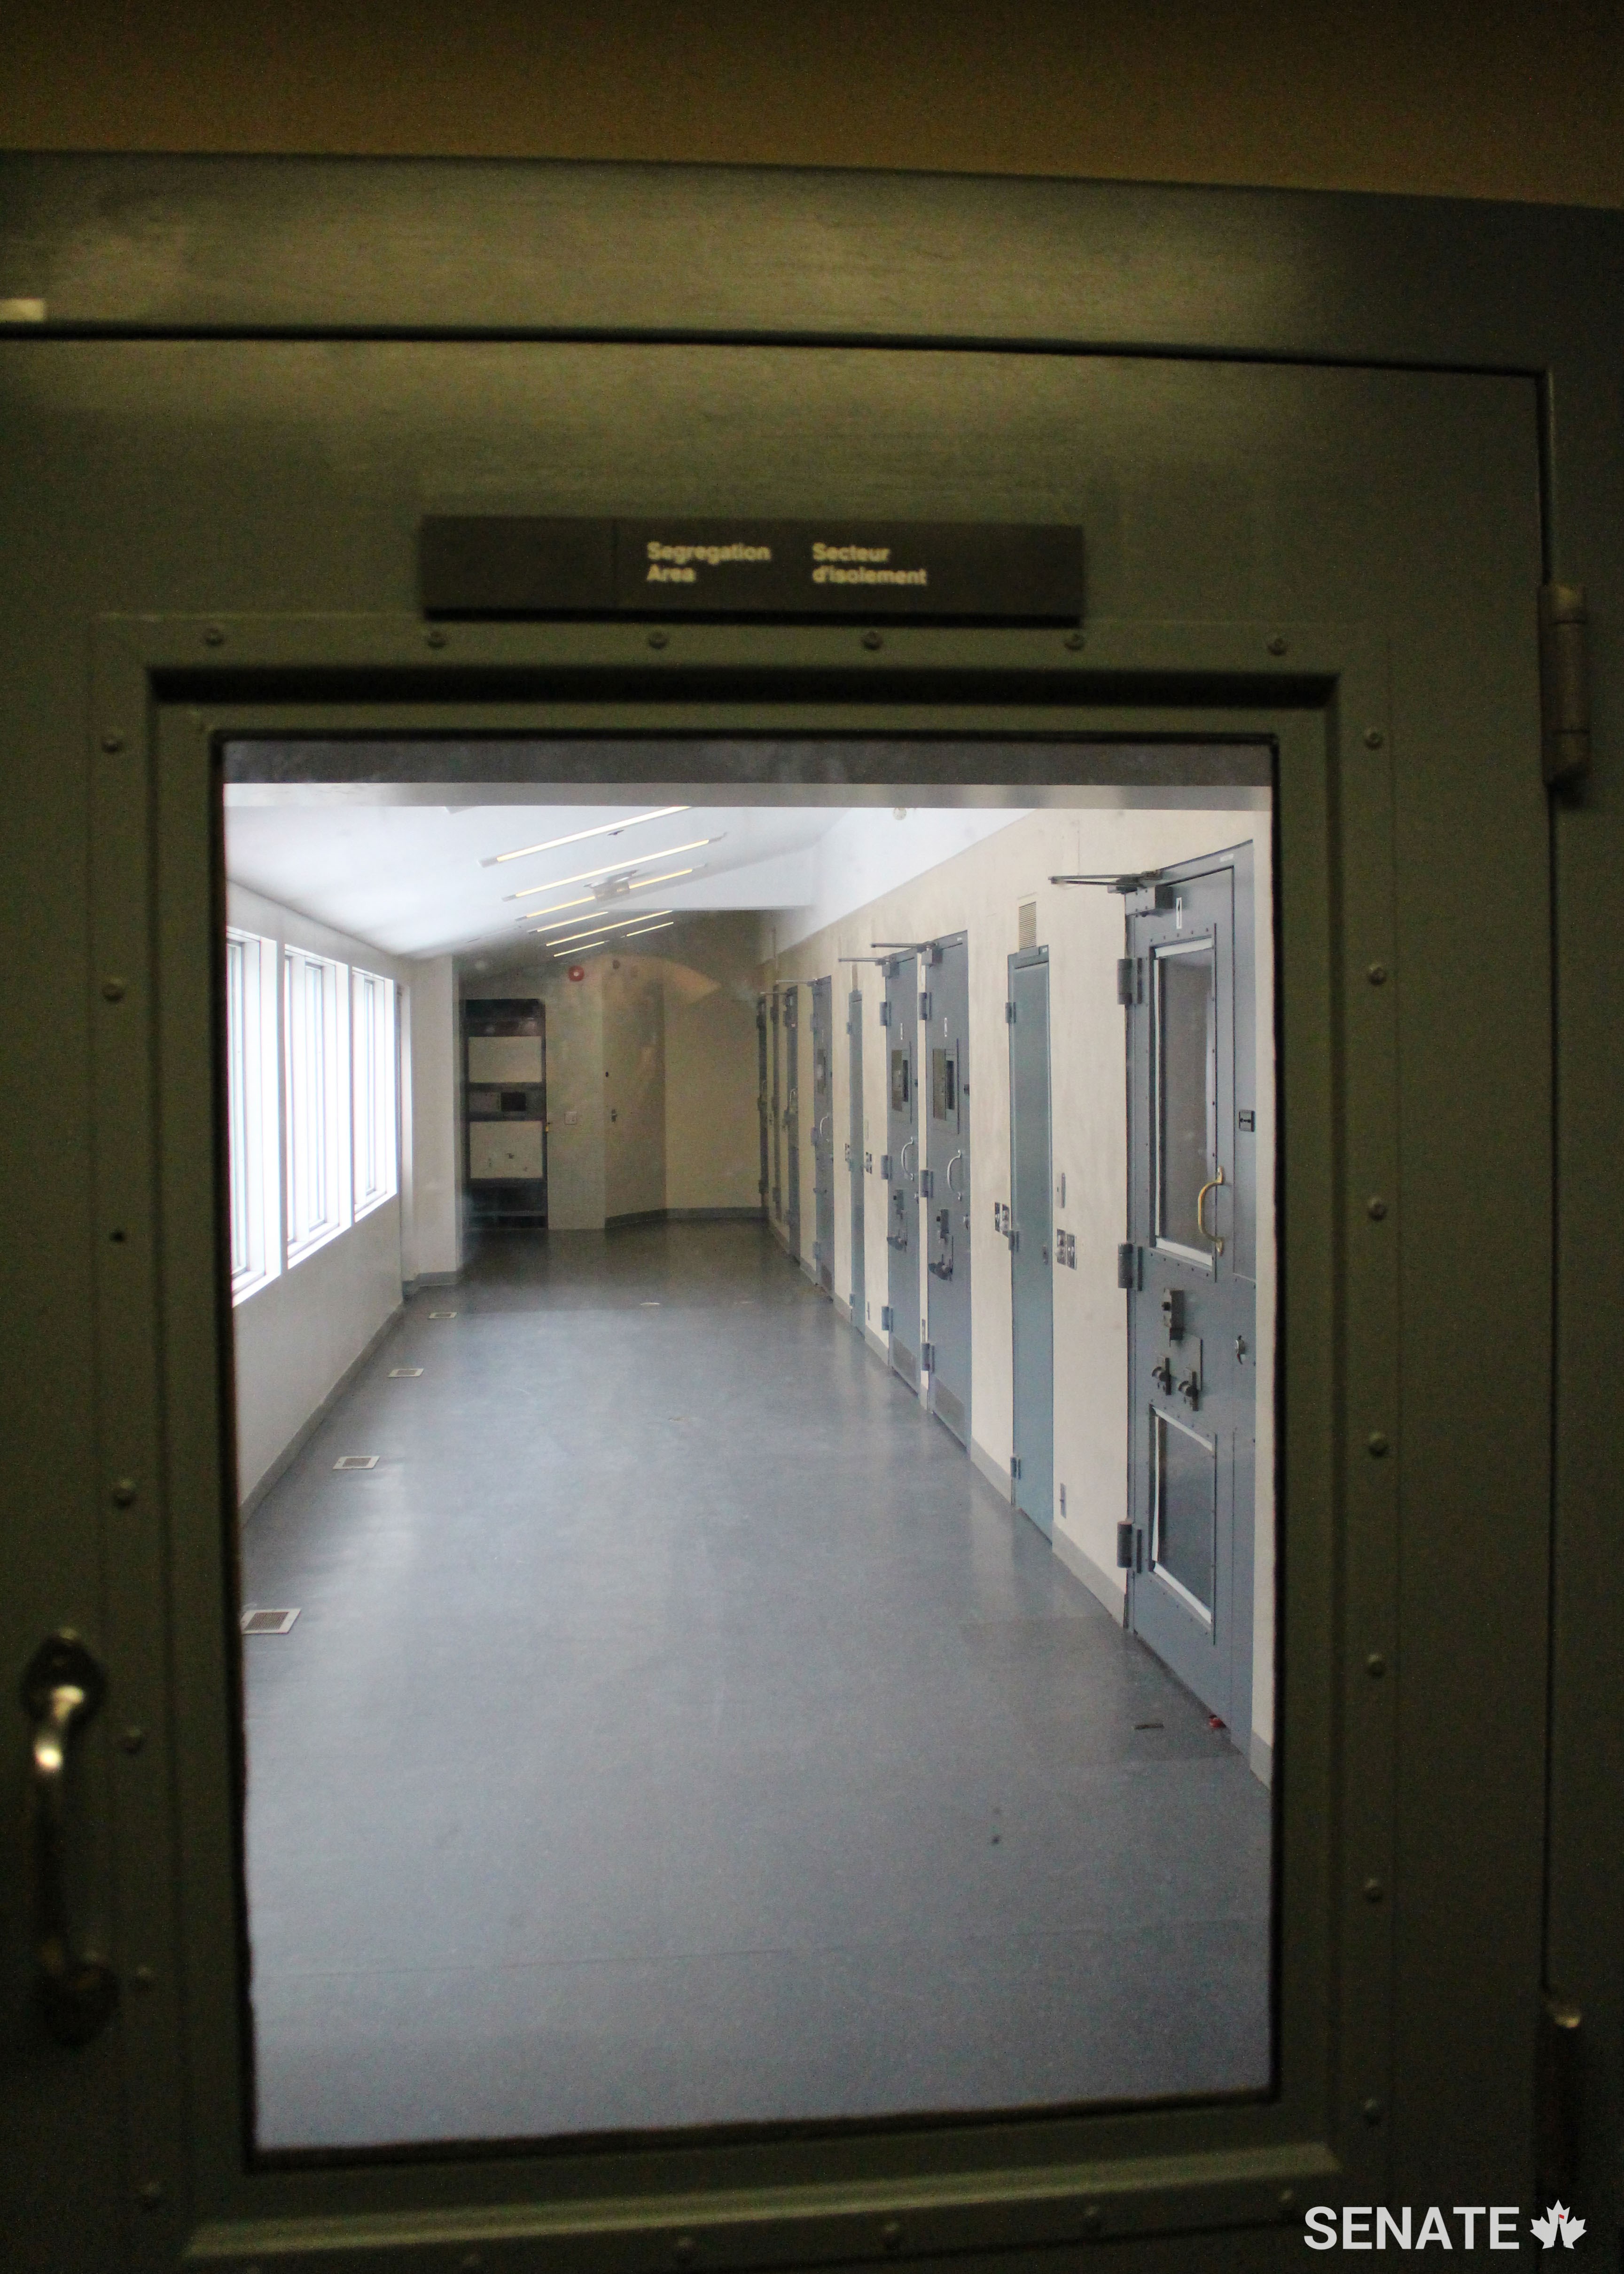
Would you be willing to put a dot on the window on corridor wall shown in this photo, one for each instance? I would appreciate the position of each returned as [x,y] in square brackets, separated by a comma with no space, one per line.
[252,1103]
[317,1101]
[373,1059]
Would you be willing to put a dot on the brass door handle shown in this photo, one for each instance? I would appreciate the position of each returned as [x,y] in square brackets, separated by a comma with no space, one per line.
[1211,1186]
[62,1689]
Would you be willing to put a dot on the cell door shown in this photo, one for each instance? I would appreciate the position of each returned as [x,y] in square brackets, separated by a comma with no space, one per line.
[1193,1309]
[823,1135]
[792,1118]
[944,1021]
[1032,1463]
[854,1158]
[900,1166]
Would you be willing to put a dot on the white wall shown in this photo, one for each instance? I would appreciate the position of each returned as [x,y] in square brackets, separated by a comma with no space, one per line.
[634,1086]
[297,1336]
[712,1138]
[666,1040]
[978,891]
[436,1131]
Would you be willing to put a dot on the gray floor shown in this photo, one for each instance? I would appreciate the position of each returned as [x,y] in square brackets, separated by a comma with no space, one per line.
[676,1729]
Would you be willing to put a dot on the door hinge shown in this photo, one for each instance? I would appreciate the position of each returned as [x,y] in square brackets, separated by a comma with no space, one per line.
[885,1318]
[1014,1464]
[885,1167]
[1564,683]
[926,1184]
[1125,1546]
[924,1006]
[1124,979]
[885,1014]
[1008,1014]
[1127,1266]
[926,1357]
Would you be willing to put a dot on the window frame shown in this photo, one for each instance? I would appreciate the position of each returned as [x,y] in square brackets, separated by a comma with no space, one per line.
[375,1088]
[327,1060]
[253,1097]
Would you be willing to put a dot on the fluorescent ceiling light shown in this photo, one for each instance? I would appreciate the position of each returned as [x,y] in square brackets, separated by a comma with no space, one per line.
[668,876]
[527,915]
[579,948]
[647,929]
[610,867]
[604,829]
[584,924]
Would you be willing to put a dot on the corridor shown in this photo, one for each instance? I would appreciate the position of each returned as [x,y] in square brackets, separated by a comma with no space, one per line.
[677,1730]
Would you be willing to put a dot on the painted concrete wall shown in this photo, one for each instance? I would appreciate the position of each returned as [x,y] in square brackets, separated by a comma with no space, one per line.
[713,1142]
[979,892]
[436,1122]
[297,1336]
[667,1043]
[634,1087]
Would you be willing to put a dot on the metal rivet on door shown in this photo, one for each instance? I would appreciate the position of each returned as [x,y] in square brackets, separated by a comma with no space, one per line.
[1373,738]
[113,990]
[1376,1443]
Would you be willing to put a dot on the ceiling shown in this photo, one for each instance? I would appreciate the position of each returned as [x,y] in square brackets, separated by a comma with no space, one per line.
[420,879]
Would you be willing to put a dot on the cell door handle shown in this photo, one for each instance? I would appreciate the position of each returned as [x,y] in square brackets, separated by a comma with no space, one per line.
[902,1160]
[1211,1186]
[956,1190]
[62,1689]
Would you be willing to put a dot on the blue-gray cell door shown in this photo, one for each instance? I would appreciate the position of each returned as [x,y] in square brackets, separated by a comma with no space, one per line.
[1194,1260]
[944,1026]
[901,1164]
[822,1135]
[792,1118]
[855,1161]
[1030,1231]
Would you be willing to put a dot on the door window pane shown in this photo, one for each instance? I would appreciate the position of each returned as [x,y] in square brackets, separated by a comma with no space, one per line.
[1185,1485]
[1186,1084]
[827,1785]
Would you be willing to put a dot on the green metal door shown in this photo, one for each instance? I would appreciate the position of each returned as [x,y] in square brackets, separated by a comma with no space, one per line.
[1333,545]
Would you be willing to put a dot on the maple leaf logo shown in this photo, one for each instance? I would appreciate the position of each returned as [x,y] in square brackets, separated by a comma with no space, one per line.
[1557,2220]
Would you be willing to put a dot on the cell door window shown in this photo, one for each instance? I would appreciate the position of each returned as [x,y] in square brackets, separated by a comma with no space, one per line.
[316,1009]
[253,1152]
[1186,1108]
[373,1059]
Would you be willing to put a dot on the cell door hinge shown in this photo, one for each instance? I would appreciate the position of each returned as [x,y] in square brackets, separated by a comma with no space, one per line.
[927,1184]
[885,1318]
[926,1357]
[1015,1465]
[1008,1014]
[885,1014]
[924,1006]
[1127,1266]
[885,1167]
[1125,1546]
[1564,683]
[1124,979]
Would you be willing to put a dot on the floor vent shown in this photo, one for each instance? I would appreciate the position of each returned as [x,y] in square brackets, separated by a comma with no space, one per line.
[267,1622]
[356,1461]
[404,1373]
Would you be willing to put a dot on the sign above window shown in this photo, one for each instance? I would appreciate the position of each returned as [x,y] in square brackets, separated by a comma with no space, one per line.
[986,572]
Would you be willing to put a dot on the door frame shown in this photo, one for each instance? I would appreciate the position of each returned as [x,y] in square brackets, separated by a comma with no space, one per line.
[164,697]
